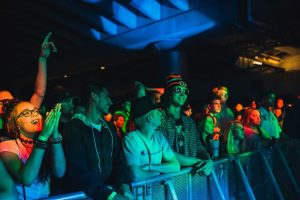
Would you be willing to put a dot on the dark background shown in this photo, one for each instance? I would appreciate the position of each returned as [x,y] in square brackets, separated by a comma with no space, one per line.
[208,56]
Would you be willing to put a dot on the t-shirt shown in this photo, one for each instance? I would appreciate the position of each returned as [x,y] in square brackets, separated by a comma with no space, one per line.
[140,151]
[37,189]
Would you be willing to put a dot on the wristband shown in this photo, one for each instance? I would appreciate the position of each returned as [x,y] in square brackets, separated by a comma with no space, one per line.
[42,138]
[40,144]
[57,140]
[111,196]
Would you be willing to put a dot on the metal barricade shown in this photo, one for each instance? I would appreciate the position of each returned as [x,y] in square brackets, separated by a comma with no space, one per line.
[251,175]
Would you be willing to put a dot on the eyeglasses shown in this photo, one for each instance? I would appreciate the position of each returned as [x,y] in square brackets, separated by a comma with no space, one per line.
[181,90]
[4,101]
[28,113]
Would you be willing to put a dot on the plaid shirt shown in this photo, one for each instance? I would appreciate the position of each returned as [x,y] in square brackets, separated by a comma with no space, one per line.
[192,145]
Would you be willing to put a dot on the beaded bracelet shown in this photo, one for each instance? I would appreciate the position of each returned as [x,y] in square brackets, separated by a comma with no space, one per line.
[57,140]
[40,144]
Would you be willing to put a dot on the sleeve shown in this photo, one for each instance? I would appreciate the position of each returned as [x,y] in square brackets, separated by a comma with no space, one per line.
[131,151]
[80,175]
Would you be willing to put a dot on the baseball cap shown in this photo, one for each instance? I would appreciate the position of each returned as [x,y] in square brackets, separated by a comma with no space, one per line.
[142,105]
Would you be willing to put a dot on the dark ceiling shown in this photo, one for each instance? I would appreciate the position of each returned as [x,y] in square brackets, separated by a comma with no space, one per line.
[131,38]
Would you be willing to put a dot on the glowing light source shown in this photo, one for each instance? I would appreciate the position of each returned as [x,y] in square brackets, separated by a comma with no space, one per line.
[66,76]
[102,67]
[257,63]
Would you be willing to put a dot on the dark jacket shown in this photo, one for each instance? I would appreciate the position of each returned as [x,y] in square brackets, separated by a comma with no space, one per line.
[92,157]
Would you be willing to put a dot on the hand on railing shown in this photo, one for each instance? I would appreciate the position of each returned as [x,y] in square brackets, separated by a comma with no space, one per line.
[203,168]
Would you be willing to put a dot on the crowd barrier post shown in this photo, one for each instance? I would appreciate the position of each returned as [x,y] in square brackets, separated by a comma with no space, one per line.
[244,180]
[171,188]
[289,172]
[271,176]
[218,185]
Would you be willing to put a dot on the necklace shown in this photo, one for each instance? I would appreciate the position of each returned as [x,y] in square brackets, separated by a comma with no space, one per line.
[26,143]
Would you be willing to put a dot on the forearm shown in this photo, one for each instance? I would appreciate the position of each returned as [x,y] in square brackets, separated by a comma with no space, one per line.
[186,161]
[171,167]
[40,83]
[138,173]
[58,160]
[30,171]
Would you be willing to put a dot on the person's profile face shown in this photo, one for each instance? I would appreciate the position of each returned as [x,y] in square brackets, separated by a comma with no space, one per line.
[216,106]
[254,118]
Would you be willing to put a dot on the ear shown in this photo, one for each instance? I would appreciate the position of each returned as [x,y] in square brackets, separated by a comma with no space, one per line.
[209,106]
[94,96]
[148,118]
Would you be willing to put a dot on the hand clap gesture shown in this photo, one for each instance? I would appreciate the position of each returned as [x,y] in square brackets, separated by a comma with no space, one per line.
[51,123]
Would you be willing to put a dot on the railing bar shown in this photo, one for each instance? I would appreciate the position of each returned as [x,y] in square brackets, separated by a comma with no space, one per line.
[190,187]
[218,185]
[245,181]
[272,177]
[171,188]
[290,174]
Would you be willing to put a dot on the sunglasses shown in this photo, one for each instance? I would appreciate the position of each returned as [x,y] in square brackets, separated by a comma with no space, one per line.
[181,90]
[28,113]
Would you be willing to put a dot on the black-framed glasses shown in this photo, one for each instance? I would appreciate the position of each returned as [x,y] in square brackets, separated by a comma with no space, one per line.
[28,113]
[5,101]
[181,90]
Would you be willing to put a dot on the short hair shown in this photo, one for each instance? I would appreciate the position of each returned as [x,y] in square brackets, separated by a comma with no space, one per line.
[116,116]
[87,89]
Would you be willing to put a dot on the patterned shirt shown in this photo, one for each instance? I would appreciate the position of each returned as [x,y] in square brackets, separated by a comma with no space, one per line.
[189,135]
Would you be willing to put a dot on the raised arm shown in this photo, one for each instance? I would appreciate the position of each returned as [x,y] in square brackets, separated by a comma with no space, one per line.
[41,78]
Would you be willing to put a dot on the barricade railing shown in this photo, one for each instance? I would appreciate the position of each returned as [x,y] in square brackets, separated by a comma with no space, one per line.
[250,175]
[68,196]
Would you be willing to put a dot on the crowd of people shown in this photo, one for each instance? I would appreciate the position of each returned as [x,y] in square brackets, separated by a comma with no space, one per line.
[73,143]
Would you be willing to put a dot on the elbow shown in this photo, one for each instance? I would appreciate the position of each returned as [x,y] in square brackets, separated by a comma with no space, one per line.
[59,173]
[27,182]
[136,177]
[177,167]
[58,170]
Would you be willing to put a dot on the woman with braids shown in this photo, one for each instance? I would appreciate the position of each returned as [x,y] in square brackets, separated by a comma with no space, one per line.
[35,151]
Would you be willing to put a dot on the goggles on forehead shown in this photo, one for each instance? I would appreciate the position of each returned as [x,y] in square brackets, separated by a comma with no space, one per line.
[181,90]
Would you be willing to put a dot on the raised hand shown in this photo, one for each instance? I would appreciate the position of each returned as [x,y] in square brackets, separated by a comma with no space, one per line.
[51,122]
[205,167]
[56,120]
[47,47]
